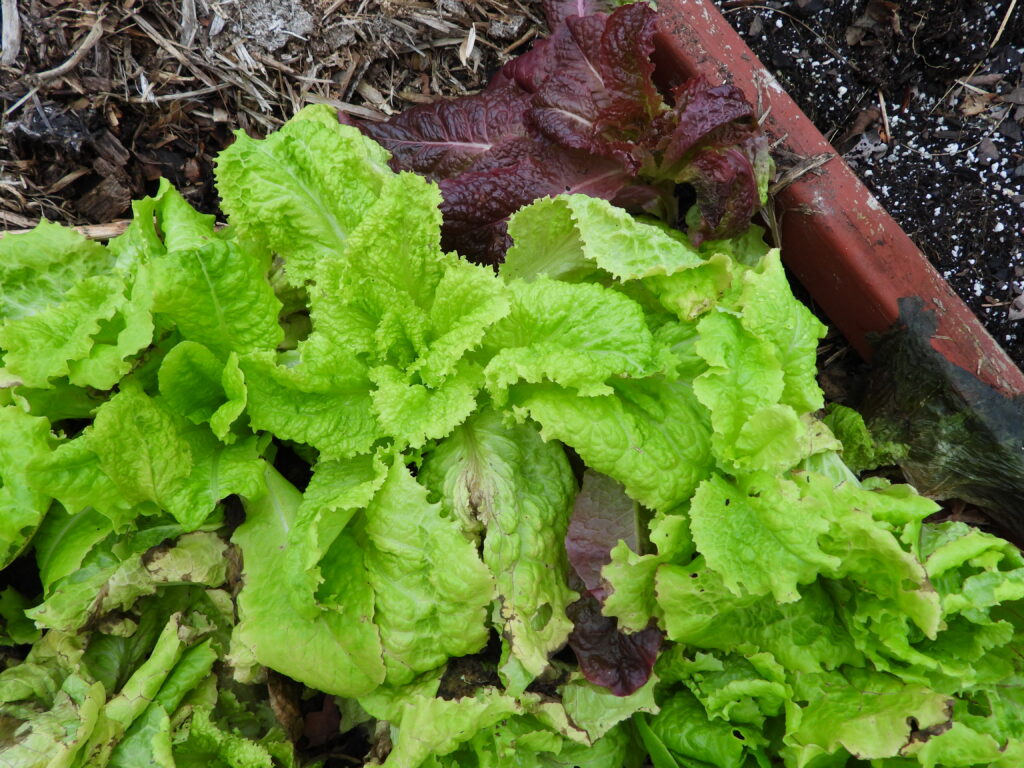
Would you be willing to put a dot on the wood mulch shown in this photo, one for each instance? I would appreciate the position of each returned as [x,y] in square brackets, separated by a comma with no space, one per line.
[101,99]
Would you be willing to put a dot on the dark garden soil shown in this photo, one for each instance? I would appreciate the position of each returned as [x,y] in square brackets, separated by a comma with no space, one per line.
[924,99]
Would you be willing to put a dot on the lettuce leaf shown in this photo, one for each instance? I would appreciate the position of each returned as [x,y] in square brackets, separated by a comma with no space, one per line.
[512,490]
[581,113]
[431,587]
[651,434]
[345,644]
[303,189]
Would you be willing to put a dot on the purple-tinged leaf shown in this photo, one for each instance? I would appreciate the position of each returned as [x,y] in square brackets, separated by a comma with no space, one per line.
[627,67]
[580,112]
[477,203]
[602,515]
[727,192]
[564,105]
[714,145]
[441,139]
[707,115]
[529,70]
[599,93]
[618,661]
[557,11]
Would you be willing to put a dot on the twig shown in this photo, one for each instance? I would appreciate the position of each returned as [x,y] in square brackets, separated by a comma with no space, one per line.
[95,33]
[528,35]
[180,96]
[91,231]
[189,23]
[885,118]
[11,40]
[168,46]
[1002,25]
[352,109]
[7,217]
[14,107]
[805,166]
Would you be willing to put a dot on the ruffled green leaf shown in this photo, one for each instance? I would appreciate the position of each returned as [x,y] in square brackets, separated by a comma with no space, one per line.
[771,313]
[25,439]
[217,295]
[322,400]
[597,710]
[337,651]
[758,536]
[571,236]
[38,268]
[203,389]
[41,346]
[73,474]
[507,484]
[867,713]
[577,336]
[651,435]
[632,577]
[303,189]
[118,570]
[431,587]
[412,413]
[804,636]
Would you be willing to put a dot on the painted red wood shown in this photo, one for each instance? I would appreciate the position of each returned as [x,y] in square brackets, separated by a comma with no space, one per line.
[837,239]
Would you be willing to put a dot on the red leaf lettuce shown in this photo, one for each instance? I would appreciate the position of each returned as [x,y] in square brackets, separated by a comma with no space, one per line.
[602,516]
[580,112]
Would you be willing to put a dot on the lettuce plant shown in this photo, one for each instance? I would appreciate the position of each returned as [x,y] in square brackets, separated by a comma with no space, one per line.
[316,445]
[580,112]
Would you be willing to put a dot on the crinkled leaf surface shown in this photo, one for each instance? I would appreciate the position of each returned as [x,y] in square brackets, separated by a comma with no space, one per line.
[867,713]
[568,236]
[631,576]
[303,189]
[25,439]
[651,435]
[431,587]
[38,268]
[574,335]
[759,538]
[322,399]
[506,484]
[217,294]
[202,388]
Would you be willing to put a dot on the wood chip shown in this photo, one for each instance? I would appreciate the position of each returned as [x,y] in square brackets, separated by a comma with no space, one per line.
[10,41]
[106,200]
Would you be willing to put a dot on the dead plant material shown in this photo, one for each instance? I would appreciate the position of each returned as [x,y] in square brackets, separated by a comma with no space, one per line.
[10,40]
